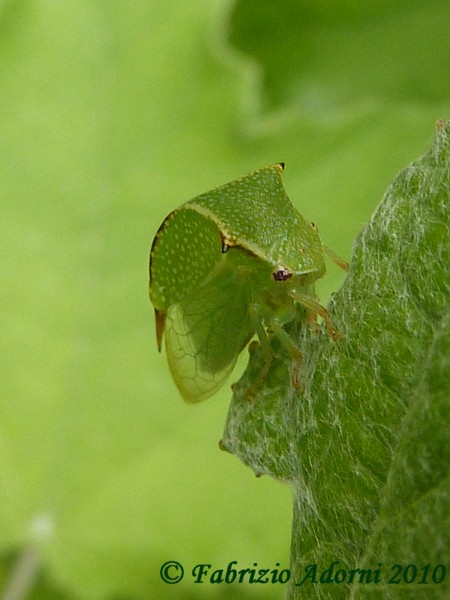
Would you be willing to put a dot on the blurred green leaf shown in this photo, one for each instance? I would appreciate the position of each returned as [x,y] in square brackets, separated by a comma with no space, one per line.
[366,443]
[105,124]
[326,54]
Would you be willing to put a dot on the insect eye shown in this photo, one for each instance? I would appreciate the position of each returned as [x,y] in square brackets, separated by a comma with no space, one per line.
[313,226]
[281,274]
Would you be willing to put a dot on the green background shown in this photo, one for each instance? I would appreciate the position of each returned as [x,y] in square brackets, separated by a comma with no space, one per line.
[111,114]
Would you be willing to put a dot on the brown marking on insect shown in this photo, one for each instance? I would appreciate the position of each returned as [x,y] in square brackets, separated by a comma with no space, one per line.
[160,322]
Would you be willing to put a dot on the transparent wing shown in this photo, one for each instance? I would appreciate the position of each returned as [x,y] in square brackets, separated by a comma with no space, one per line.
[205,334]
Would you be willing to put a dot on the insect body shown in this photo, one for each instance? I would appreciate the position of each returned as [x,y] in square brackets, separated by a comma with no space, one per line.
[226,265]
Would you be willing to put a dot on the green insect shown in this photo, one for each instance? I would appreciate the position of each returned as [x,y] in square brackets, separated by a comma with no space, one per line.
[227,265]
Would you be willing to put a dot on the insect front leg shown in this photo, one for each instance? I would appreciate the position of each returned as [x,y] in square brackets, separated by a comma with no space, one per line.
[314,308]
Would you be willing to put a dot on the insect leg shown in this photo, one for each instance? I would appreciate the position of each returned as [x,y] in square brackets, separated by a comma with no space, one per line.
[337,259]
[316,309]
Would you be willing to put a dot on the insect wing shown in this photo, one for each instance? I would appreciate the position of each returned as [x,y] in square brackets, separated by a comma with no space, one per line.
[205,334]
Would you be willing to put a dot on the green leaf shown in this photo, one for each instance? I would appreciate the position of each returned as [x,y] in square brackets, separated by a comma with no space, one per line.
[329,54]
[366,442]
